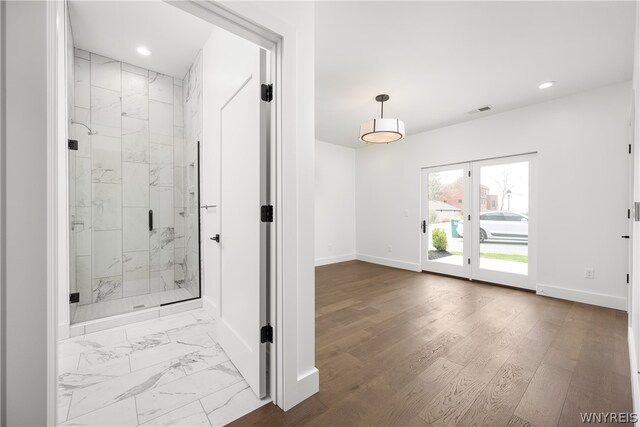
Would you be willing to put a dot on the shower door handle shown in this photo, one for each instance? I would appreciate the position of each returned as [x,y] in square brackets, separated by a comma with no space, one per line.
[150,219]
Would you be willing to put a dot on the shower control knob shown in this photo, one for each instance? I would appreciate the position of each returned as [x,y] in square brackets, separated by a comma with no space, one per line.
[216,238]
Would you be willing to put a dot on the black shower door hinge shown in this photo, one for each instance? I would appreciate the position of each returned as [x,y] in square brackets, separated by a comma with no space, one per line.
[74,297]
[266,334]
[267,93]
[73,144]
[266,213]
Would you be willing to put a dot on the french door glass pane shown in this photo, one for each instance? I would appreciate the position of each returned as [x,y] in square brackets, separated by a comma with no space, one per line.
[446,201]
[504,217]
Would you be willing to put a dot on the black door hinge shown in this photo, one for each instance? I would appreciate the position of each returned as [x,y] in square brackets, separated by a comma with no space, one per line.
[628,213]
[627,277]
[266,213]
[74,297]
[468,260]
[266,334]
[267,93]
[73,144]
[629,148]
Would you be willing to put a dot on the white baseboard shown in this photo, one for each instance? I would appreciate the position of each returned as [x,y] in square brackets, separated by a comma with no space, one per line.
[389,262]
[593,298]
[63,331]
[308,385]
[334,259]
[210,307]
[633,365]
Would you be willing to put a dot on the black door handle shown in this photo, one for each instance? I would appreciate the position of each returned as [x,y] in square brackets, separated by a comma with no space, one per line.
[215,238]
[150,220]
[424,226]
[625,237]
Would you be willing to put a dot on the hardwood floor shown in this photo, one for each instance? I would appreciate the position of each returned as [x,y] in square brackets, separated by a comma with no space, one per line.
[412,349]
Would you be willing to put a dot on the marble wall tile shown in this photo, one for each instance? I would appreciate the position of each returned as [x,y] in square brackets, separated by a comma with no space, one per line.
[161,280]
[82,115]
[82,83]
[162,249]
[107,288]
[178,113]
[135,140]
[106,159]
[161,176]
[178,221]
[83,279]
[135,267]
[160,87]
[178,187]
[160,118]
[135,184]
[161,154]
[107,253]
[82,232]
[133,69]
[83,181]
[79,53]
[105,109]
[161,199]
[107,206]
[161,139]
[135,229]
[135,96]
[105,72]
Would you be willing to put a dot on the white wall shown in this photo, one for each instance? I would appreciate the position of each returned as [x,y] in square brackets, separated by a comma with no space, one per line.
[25,233]
[581,141]
[335,203]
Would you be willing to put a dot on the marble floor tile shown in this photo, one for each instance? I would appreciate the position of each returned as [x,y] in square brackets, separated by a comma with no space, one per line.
[191,414]
[126,348]
[168,397]
[163,372]
[120,388]
[225,405]
[119,414]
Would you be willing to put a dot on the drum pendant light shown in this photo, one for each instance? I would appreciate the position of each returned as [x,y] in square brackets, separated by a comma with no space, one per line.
[382,131]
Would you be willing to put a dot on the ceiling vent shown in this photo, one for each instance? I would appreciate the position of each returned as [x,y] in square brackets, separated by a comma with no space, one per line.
[480,109]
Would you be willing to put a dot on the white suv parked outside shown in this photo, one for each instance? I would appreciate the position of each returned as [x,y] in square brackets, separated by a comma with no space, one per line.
[501,225]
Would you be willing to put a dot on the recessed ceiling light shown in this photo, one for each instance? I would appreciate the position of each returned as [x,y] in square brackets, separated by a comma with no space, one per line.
[144,51]
[546,85]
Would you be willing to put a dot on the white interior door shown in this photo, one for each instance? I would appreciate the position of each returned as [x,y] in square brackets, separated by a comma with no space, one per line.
[243,282]
[503,221]
[445,212]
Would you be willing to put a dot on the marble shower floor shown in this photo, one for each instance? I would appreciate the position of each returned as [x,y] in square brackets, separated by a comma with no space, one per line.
[99,310]
[167,372]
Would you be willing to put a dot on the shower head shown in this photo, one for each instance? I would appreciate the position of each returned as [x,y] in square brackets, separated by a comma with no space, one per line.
[91,132]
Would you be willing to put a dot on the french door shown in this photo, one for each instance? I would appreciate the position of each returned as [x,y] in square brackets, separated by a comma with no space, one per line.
[446,205]
[479,220]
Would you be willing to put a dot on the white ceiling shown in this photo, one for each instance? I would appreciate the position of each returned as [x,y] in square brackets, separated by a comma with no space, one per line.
[116,28]
[439,60]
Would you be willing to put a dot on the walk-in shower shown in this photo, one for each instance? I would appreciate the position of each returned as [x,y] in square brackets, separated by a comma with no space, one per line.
[133,186]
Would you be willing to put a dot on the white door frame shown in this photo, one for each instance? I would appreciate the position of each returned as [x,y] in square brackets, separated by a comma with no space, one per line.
[510,279]
[258,26]
[463,270]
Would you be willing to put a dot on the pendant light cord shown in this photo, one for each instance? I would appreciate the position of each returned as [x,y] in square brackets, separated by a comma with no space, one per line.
[381,109]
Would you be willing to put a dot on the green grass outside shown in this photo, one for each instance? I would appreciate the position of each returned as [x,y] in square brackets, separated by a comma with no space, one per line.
[505,257]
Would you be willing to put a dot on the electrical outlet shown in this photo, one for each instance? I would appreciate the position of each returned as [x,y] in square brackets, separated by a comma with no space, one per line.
[389,248]
[589,273]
